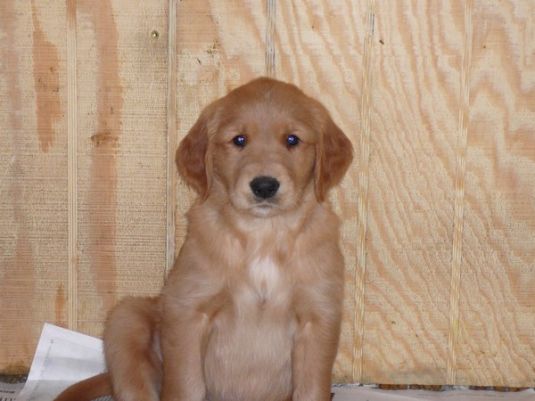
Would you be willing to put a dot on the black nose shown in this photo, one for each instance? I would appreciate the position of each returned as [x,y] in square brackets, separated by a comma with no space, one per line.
[264,187]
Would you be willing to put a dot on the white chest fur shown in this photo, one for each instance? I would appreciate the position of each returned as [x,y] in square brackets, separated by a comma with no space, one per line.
[265,277]
[253,344]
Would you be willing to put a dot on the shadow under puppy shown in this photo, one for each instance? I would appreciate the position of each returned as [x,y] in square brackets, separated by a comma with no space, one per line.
[251,310]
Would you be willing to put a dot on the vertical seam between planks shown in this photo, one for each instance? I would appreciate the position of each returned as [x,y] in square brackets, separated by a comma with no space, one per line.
[360,272]
[72,160]
[271,11]
[171,136]
[458,219]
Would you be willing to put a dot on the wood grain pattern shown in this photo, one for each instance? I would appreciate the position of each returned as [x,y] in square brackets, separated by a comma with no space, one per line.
[122,153]
[72,168]
[438,209]
[171,179]
[363,199]
[460,178]
[33,165]
[497,306]
[414,125]
[271,19]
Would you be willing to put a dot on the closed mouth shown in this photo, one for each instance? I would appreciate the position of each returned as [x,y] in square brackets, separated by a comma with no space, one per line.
[264,205]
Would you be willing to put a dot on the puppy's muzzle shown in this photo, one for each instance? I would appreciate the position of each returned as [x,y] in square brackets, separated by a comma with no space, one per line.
[264,187]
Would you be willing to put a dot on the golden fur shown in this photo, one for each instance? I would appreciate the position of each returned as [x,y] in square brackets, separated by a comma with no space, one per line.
[251,310]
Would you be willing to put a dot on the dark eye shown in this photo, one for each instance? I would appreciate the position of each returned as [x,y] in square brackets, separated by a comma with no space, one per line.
[292,140]
[240,141]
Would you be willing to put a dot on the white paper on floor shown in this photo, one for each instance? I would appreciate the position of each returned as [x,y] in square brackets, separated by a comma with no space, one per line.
[64,357]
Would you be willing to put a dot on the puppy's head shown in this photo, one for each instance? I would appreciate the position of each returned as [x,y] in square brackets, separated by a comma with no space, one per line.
[263,146]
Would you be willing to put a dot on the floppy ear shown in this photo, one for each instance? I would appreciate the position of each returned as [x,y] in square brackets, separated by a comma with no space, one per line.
[334,154]
[192,156]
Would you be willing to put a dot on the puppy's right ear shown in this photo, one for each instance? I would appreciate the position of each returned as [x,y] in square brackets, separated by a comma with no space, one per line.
[192,156]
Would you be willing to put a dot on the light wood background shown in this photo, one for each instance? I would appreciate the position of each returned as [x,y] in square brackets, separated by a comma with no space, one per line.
[438,98]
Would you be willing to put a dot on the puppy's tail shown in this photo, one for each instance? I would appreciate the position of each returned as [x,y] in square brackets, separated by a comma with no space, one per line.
[88,389]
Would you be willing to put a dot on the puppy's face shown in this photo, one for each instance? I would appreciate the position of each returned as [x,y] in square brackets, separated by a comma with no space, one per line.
[263,155]
[263,146]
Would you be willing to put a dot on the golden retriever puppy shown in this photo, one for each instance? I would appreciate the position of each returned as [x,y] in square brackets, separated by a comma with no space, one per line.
[251,310]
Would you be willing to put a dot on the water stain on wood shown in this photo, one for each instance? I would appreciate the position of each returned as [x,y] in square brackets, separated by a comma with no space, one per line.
[101,138]
[21,265]
[15,368]
[59,304]
[103,194]
[46,81]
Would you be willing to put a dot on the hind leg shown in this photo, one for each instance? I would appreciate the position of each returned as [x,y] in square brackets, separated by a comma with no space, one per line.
[131,346]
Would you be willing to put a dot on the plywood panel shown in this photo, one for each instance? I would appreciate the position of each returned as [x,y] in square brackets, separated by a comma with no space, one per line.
[437,209]
[418,49]
[319,46]
[497,305]
[33,179]
[122,153]
[220,45]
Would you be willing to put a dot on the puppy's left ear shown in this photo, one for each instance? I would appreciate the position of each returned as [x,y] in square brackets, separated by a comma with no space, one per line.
[334,154]
[192,156]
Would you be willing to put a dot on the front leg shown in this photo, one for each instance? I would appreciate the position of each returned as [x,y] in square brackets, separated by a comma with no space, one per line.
[318,306]
[183,332]
[313,358]
[190,299]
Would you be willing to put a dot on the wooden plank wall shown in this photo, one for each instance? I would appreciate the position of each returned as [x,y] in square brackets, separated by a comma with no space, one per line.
[438,98]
